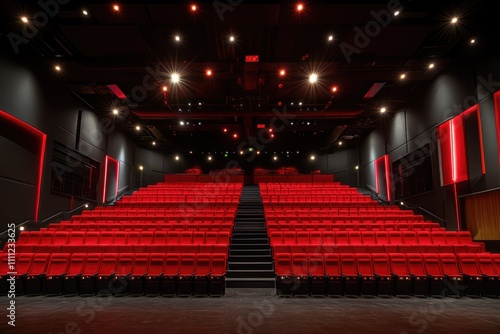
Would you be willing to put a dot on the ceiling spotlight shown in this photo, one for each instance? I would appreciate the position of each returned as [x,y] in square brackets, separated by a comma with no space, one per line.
[225,130]
[431,65]
[138,128]
[141,168]
[194,8]
[275,158]
[396,13]
[403,76]
[330,38]
[382,110]
[300,103]
[176,157]
[165,88]
[190,152]
[272,135]
[258,152]
[115,111]
[21,228]
[454,20]
[209,72]
[86,206]
[199,103]
[209,158]
[235,135]
[340,143]
[181,122]
[24,19]
[313,78]
[313,157]
[282,72]
[402,203]
[334,89]
[85,12]
[154,143]
[177,38]
[175,78]
[231,38]
[242,152]
[116,8]
[57,68]
[300,7]
[472,41]
[356,167]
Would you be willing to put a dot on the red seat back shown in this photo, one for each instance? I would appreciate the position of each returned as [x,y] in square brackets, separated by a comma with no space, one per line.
[283,264]
[381,265]
[348,264]
[58,264]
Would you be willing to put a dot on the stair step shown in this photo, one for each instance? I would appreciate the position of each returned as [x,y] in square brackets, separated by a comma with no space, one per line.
[251,283]
[250,266]
[253,241]
[250,274]
[239,252]
[254,234]
[250,258]
[250,246]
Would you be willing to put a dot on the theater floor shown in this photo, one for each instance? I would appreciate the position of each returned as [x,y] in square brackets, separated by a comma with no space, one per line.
[252,311]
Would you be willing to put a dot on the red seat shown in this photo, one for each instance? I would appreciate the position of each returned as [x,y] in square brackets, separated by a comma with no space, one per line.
[186,238]
[186,274]
[467,264]
[401,274]
[366,274]
[34,284]
[217,274]
[300,273]
[202,274]
[491,279]
[223,238]
[283,271]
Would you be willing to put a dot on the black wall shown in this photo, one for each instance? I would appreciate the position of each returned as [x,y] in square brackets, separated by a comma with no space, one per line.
[459,87]
[39,99]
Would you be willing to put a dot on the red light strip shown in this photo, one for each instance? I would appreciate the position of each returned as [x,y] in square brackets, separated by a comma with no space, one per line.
[387,177]
[453,153]
[457,213]
[106,162]
[376,177]
[481,143]
[41,160]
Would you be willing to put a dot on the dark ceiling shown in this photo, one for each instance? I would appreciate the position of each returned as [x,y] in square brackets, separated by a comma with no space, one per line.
[135,50]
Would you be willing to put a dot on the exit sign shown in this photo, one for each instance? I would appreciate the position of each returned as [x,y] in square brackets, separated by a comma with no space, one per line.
[252,59]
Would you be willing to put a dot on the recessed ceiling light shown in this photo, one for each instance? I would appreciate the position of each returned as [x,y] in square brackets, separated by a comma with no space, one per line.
[431,65]
[177,38]
[235,135]
[403,76]
[356,167]
[330,38]
[300,103]
[154,143]
[382,110]
[176,157]
[396,13]
[225,130]
[282,72]
[209,72]
[242,152]
[57,68]
[194,8]
[165,88]
[181,122]
[115,111]
[199,103]
[190,152]
[21,228]
[209,158]
[472,41]
[175,78]
[308,123]
[313,157]
[85,12]
[334,89]
[231,38]
[300,7]
[454,20]
[138,128]
[116,8]
[275,158]
[313,78]
[340,143]
[24,19]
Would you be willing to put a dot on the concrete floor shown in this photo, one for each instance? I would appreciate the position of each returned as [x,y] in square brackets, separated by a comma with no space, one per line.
[252,311]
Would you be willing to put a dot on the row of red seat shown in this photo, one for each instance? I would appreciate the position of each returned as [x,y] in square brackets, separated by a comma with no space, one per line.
[378,248]
[124,248]
[108,273]
[160,220]
[170,210]
[49,237]
[158,199]
[138,215]
[284,211]
[215,226]
[371,237]
[355,227]
[388,274]
[315,199]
